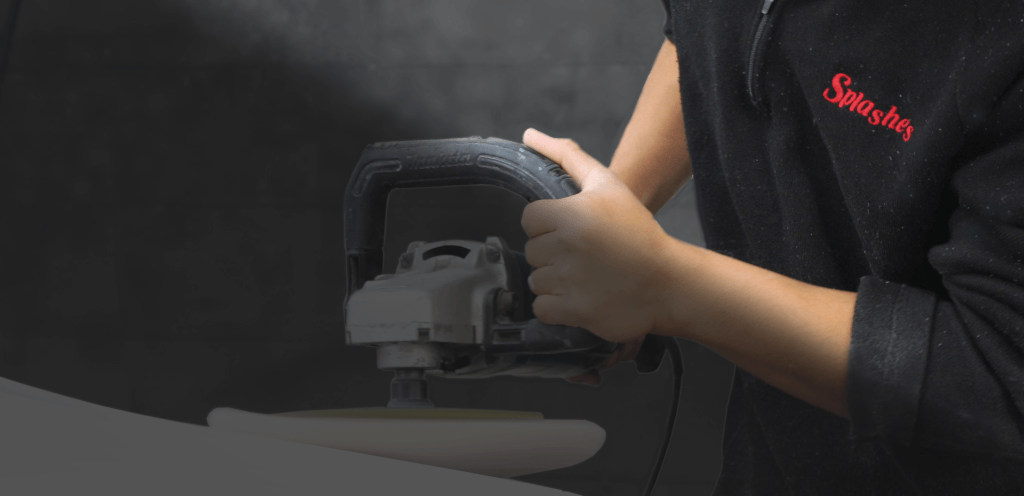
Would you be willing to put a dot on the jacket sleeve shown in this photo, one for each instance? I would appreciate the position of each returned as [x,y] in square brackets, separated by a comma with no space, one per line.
[946,371]
[666,28]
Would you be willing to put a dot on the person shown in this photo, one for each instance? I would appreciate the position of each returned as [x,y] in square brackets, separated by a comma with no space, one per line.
[859,173]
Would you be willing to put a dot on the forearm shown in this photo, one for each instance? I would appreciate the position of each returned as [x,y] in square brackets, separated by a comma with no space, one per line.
[652,157]
[792,335]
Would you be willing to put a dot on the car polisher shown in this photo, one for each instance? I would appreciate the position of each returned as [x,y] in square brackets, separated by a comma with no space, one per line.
[453,309]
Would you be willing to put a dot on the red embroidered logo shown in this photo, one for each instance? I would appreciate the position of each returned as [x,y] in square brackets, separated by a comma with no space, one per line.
[858,104]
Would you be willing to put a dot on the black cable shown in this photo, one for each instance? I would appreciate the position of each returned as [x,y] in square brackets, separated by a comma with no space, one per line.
[672,346]
[5,55]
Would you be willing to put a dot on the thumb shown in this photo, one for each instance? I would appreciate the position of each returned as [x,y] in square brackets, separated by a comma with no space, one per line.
[583,168]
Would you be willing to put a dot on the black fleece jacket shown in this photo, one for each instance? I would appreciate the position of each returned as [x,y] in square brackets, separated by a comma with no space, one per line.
[878,147]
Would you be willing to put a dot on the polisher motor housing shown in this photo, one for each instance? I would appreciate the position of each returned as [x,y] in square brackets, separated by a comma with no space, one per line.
[462,308]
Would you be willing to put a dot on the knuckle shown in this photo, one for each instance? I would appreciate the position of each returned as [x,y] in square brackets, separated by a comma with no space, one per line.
[529,212]
[577,318]
[530,219]
[541,311]
[573,244]
[530,253]
[536,284]
[536,211]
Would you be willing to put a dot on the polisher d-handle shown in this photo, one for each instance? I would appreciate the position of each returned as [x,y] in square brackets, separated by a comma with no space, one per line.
[452,162]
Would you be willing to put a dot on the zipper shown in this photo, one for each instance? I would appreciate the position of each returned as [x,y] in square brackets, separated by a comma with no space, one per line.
[755,49]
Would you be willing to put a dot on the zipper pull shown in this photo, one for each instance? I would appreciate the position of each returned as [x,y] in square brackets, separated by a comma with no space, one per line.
[767,5]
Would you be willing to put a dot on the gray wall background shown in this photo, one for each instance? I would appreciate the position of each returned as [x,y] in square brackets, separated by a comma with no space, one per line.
[171,174]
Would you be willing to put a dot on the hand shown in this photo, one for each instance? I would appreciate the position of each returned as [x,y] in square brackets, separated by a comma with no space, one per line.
[598,254]
[626,353]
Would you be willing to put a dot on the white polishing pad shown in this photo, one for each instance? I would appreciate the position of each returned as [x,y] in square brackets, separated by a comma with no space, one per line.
[496,446]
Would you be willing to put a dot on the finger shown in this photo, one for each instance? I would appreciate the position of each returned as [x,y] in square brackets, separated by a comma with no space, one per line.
[540,217]
[631,349]
[586,170]
[545,281]
[550,309]
[608,363]
[540,251]
[588,379]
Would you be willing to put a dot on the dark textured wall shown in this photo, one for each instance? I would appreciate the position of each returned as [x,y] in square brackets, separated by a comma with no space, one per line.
[171,173]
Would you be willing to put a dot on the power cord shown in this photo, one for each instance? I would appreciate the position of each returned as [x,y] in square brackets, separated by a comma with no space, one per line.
[674,351]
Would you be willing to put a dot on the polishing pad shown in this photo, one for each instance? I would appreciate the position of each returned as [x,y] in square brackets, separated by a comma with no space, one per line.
[496,443]
[414,413]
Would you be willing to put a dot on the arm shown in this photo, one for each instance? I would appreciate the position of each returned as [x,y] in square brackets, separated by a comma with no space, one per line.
[930,369]
[652,159]
[792,335]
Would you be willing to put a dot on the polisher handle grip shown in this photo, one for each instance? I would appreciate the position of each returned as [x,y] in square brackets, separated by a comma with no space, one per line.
[430,163]
[457,162]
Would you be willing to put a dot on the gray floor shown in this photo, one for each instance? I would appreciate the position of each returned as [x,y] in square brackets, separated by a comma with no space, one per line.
[171,175]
